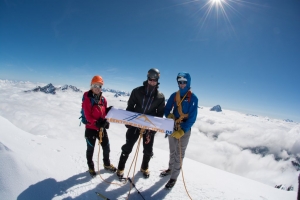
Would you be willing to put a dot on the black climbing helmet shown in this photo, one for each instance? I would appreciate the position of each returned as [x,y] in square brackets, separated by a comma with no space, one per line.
[153,73]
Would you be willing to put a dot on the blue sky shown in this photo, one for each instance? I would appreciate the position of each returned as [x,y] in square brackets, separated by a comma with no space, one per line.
[246,59]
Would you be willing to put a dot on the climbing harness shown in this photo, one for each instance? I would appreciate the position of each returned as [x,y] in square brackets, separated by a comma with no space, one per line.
[179,108]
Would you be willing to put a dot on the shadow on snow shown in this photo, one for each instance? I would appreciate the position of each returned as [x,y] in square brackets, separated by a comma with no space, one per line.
[50,188]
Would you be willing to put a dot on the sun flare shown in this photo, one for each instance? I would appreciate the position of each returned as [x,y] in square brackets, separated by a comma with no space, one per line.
[218,12]
[216,1]
[222,8]
[219,9]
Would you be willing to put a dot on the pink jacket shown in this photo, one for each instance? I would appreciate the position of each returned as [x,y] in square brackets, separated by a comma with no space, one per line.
[93,113]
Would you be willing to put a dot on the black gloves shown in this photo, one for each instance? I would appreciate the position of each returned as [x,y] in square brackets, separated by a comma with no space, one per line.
[128,126]
[102,123]
[107,125]
[108,109]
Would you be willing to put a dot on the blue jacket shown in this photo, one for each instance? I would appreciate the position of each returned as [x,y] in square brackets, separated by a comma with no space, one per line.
[188,107]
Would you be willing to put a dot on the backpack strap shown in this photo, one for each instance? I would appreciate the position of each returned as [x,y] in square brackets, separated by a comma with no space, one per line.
[93,102]
[102,99]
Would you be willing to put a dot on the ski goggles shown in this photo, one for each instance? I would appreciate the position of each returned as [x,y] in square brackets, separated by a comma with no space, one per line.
[152,79]
[182,82]
[96,86]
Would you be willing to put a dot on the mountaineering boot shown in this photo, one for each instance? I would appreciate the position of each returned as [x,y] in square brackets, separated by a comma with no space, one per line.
[170,184]
[165,173]
[110,168]
[92,172]
[120,173]
[146,173]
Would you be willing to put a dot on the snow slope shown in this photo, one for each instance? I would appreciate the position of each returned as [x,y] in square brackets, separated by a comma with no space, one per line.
[36,167]
[42,154]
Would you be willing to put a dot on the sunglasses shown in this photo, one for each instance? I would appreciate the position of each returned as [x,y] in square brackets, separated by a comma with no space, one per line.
[154,80]
[96,86]
[182,82]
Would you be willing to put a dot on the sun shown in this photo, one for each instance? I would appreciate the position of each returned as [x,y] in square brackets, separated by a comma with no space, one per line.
[220,9]
[217,2]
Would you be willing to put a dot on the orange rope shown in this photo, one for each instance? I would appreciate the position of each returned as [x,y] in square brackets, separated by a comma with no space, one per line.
[177,123]
[100,141]
[179,108]
[179,144]
[135,161]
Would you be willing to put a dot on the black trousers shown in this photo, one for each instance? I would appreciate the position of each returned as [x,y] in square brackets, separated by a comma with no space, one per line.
[132,135]
[91,135]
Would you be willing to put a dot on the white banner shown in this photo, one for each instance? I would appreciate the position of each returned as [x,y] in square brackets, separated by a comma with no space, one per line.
[162,125]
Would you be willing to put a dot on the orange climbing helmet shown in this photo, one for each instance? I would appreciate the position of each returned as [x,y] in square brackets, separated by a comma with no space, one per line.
[97,80]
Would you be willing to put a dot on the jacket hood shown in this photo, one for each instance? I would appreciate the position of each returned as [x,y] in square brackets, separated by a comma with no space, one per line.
[184,75]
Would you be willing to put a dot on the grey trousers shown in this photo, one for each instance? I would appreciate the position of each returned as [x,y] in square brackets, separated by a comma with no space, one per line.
[174,162]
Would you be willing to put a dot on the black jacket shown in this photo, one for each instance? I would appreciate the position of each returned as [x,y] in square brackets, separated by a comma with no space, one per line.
[147,100]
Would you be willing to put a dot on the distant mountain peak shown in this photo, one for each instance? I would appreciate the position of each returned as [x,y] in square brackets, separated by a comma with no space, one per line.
[50,89]
[216,108]
[251,115]
[117,92]
[71,87]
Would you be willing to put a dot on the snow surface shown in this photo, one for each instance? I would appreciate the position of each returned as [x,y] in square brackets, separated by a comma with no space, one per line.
[42,153]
